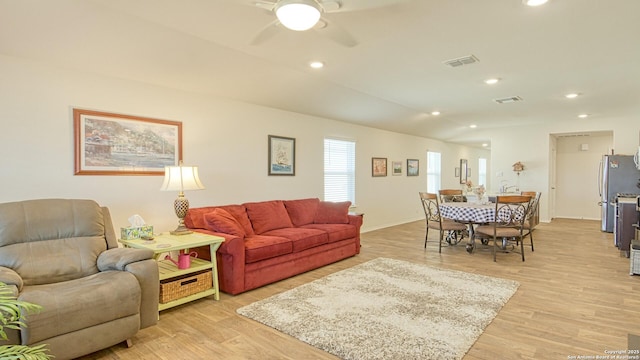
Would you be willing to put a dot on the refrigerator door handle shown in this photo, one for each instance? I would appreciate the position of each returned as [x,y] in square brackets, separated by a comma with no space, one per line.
[600,170]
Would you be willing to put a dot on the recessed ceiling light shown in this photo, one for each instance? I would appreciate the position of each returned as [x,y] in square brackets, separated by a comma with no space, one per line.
[534,2]
[492,81]
[316,64]
[582,116]
[485,145]
[436,113]
[473,126]
[572,95]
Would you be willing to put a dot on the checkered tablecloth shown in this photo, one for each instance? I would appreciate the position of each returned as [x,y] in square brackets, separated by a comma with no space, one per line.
[468,212]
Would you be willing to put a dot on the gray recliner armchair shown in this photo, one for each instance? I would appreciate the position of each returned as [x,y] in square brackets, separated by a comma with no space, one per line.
[63,255]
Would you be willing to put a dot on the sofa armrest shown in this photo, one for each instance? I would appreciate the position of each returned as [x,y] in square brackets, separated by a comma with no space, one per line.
[119,258]
[141,264]
[356,220]
[10,277]
[231,261]
[146,271]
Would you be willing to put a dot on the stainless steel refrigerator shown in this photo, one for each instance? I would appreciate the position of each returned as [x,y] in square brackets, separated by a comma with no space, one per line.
[618,174]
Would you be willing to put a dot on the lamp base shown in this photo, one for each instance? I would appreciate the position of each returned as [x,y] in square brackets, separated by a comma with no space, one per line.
[181,230]
[181,206]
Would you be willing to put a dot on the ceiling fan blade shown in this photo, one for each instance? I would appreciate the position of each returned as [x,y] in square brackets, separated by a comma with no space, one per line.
[267,5]
[336,33]
[266,33]
[331,5]
[355,5]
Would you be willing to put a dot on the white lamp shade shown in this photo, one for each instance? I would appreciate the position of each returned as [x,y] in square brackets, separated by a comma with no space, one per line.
[181,178]
[298,15]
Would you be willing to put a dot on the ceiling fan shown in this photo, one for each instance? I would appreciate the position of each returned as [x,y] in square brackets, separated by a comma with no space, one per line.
[302,15]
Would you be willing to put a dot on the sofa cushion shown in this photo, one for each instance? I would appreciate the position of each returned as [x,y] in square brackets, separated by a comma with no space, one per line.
[336,232]
[195,216]
[261,247]
[301,238]
[332,212]
[302,211]
[268,215]
[79,304]
[219,220]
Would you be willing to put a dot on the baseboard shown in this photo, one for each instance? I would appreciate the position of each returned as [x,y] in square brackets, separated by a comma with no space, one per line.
[384,226]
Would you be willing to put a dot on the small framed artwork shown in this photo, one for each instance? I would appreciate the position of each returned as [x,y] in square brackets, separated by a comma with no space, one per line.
[396,168]
[457,171]
[116,144]
[463,171]
[282,155]
[413,166]
[378,166]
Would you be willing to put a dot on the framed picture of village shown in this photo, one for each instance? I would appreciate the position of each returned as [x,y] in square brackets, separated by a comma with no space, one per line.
[116,144]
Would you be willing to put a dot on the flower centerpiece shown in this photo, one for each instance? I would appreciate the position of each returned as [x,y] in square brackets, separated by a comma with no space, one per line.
[479,191]
[469,185]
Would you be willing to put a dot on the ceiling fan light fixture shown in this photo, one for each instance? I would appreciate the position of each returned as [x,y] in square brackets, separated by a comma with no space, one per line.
[298,15]
[534,2]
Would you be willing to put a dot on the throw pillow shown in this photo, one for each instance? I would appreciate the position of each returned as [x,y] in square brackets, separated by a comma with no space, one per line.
[220,220]
[332,212]
[268,215]
[303,211]
[240,214]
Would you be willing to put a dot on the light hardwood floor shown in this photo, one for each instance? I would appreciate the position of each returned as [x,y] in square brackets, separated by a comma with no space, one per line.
[575,298]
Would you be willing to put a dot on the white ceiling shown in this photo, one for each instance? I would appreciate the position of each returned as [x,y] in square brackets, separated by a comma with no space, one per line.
[393,79]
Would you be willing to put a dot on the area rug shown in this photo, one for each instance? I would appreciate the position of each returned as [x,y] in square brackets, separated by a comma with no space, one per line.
[387,309]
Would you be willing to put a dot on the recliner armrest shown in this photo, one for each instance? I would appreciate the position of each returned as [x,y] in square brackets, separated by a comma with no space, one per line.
[10,277]
[118,259]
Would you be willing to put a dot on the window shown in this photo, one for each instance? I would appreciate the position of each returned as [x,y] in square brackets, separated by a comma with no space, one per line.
[433,172]
[482,172]
[339,170]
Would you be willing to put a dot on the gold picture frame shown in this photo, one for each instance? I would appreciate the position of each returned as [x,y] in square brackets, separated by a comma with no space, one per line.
[116,144]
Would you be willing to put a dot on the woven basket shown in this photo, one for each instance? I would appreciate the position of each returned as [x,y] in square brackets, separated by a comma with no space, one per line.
[176,288]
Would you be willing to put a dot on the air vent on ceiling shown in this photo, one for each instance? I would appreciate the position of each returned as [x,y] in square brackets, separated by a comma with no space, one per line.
[508,99]
[465,60]
[572,135]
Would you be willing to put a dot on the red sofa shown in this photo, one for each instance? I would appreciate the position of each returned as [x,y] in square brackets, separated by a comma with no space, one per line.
[272,240]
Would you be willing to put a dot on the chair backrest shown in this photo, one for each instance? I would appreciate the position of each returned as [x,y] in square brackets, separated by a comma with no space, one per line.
[52,240]
[451,195]
[533,203]
[511,210]
[431,206]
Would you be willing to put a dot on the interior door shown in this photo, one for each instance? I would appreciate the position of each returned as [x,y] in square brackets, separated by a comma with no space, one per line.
[552,177]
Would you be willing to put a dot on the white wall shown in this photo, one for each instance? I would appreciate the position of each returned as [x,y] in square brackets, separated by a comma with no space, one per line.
[530,144]
[577,193]
[226,139]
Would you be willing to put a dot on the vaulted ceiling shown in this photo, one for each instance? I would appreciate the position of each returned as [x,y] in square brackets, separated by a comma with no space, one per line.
[393,79]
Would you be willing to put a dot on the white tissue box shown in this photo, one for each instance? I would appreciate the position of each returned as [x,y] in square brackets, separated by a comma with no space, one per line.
[136,232]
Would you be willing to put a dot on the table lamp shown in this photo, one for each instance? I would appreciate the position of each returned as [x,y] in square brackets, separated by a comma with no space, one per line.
[181,178]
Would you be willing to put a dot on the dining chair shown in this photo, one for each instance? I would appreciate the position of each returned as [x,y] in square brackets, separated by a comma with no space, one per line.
[508,226]
[451,195]
[531,221]
[431,206]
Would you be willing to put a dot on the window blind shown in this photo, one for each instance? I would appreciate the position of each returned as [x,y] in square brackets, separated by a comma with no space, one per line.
[339,170]
[433,172]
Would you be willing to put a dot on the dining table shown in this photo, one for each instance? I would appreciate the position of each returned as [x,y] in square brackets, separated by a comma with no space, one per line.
[468,212]
[472,213]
